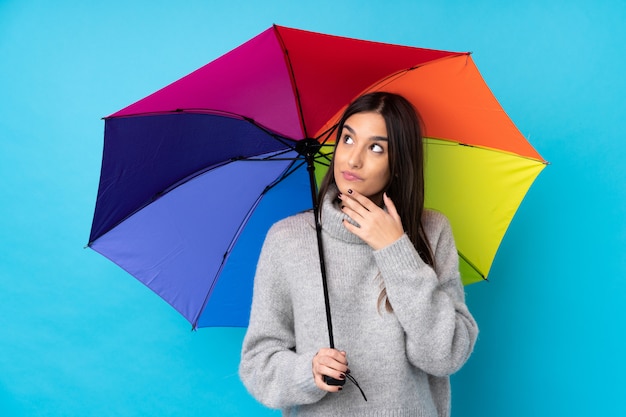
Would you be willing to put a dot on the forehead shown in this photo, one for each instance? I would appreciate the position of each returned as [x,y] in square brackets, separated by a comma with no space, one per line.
[366,123]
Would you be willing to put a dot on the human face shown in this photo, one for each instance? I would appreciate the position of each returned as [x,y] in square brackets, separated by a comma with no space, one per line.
[362,156]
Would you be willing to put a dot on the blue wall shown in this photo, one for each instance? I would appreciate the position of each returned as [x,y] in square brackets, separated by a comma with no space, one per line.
[79,337]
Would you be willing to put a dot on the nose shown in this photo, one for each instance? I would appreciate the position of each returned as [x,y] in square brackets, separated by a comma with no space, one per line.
[355,159]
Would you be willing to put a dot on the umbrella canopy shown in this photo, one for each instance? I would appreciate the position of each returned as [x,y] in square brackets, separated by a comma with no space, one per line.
[194,174]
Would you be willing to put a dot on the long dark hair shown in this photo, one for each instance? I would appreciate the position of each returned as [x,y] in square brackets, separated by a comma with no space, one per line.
[406,164]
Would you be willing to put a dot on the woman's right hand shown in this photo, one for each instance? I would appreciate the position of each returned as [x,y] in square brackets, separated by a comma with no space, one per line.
[332,363]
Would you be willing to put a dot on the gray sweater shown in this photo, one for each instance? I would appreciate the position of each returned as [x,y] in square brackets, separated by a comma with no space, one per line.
[402,360]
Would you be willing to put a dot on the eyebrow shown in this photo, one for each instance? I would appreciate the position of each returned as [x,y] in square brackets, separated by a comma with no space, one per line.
[373,138]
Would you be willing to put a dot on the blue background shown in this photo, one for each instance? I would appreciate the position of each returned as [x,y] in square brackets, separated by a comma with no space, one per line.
[79,337]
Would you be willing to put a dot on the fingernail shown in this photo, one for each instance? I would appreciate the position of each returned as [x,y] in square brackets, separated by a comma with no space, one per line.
[342,376]
[340,388]
[350,191]
[348,371]
[339,195]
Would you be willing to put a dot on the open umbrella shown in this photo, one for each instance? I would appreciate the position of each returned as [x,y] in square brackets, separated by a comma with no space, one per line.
[194,174]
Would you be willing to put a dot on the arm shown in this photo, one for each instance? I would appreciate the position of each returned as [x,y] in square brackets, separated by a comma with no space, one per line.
[430,304]
[272,371]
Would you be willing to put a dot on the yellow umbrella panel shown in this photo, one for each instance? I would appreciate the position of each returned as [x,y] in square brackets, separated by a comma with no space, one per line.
[479,190]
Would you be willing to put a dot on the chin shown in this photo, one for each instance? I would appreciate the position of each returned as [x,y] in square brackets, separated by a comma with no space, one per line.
[343,188]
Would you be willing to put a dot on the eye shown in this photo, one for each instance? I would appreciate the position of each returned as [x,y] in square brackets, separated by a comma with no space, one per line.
[348,139]
[377,148]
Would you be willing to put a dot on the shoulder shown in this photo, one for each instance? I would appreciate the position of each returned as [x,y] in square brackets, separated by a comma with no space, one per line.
[437,227]
[292,226]
[286,236]
[434,220]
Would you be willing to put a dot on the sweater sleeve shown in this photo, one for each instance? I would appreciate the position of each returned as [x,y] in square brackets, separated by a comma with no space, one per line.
[270,368]
[429,303]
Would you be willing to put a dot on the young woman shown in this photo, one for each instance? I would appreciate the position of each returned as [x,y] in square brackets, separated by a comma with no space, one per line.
[400,322]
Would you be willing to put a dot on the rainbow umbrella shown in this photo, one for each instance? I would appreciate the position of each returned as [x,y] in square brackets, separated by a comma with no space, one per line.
[194,174]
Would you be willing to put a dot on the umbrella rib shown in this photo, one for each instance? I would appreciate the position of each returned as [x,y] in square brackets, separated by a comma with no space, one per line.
[192,110]
[163,192]
[283,140]
[383,81]
[276,156]
[189,177]
[231,160]
[327,133]
[452,142]
[288,171]
[225,258]
[324,158]
[292,168]
[292,76]
[474,267]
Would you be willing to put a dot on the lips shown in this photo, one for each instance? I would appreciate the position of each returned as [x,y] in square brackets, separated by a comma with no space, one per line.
[350,176]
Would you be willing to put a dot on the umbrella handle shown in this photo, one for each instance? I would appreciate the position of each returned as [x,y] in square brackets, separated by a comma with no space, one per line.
[332,381]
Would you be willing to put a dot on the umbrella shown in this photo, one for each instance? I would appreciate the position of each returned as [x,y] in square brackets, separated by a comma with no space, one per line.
[194,174]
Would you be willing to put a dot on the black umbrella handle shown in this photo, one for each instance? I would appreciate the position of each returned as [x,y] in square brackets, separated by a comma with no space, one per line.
[332,381]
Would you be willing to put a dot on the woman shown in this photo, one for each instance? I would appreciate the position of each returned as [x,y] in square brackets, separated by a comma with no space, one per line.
[400,322]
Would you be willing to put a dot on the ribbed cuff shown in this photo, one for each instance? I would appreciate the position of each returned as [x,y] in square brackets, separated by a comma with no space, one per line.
[400,255]
[303,378]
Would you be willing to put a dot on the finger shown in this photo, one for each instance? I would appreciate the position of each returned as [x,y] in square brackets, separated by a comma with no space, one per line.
[338,355]
[331,363]
[350,207]
[354,215]
[350,227]
[319,382]
[390,206]
[359,207]
[363,201]
[332,373]
[331,358]
[335,359]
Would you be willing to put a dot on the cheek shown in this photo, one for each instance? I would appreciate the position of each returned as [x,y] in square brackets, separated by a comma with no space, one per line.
[337,160]
[336,167]
[384,171]
[385,178]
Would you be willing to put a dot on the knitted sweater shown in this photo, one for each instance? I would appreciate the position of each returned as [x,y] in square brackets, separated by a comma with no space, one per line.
[402,360]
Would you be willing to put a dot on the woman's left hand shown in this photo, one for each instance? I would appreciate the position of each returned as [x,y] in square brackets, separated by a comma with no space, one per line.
[378,227]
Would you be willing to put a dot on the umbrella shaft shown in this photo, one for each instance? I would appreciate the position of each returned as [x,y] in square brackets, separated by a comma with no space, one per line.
[320,246]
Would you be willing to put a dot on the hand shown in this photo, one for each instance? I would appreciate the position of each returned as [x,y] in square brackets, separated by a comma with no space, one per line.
[379,228]
[332,363]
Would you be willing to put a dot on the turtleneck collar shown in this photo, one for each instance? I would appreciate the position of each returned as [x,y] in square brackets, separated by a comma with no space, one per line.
[332,219]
